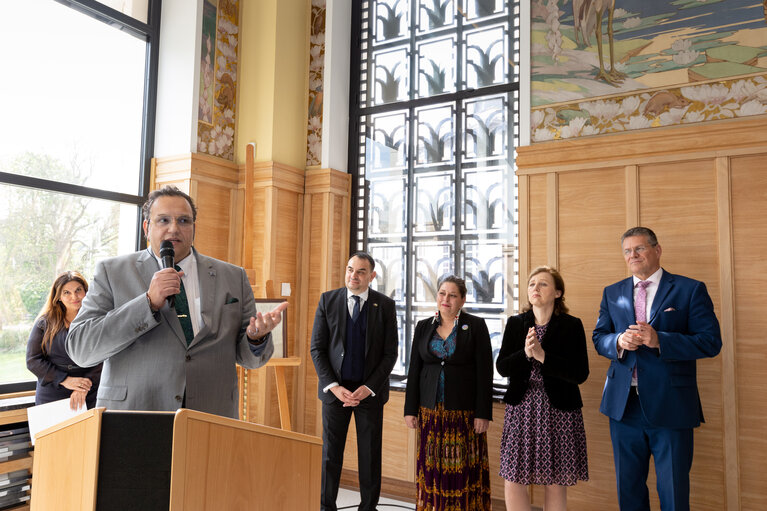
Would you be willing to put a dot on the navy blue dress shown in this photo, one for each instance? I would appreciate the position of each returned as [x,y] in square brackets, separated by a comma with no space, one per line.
[53,367]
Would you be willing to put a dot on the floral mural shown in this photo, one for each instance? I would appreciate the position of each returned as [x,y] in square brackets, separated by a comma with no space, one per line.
[316,70]
[218,78]
[601,67]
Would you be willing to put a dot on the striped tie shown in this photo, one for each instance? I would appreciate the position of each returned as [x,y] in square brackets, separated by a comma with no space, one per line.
[182,310]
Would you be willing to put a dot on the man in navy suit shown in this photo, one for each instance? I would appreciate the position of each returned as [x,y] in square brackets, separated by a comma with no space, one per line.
[653,327]
[354,348]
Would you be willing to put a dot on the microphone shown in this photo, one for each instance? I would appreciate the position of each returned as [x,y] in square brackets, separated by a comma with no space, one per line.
[167,254]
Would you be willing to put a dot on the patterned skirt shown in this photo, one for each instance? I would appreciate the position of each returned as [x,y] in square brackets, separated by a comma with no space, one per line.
[453,472]
[541,444]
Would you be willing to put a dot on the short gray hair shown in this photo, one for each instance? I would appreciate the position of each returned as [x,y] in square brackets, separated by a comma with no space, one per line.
[641,231]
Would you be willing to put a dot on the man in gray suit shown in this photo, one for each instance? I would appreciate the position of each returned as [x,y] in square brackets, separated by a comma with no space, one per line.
[162,357]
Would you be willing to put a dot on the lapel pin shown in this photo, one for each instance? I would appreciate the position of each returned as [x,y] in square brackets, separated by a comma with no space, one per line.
[375,305]
[465,327]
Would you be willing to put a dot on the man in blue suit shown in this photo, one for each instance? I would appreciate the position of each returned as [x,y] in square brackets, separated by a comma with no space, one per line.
[653,327]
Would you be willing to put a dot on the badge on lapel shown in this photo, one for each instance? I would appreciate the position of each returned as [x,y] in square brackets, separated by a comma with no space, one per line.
[465,327]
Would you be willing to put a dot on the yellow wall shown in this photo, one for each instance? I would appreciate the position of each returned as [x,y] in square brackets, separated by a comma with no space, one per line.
[273,81]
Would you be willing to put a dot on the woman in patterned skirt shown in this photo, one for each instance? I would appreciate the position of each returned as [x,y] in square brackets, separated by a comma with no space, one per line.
[449,401]
[544,356]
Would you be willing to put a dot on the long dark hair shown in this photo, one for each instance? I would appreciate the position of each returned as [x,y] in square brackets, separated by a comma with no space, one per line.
[54,311]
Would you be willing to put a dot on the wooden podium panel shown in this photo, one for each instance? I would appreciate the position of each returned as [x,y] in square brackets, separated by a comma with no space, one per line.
[221,463]
[119,460]
[65,464]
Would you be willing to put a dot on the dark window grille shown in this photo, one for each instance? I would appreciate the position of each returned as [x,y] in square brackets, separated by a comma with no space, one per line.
[434,123]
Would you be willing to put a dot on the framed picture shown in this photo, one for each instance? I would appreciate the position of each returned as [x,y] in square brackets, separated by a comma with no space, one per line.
[280,332]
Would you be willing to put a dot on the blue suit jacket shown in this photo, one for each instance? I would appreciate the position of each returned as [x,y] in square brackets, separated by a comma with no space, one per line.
[683,316]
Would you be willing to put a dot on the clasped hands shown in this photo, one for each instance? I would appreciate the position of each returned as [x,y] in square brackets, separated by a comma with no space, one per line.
[79,387]
[349,398]
[533,348]
[641,334]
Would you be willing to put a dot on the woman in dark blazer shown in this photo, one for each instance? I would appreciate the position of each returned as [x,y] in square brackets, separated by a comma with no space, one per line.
[58,377]
[544,356]
[449,400]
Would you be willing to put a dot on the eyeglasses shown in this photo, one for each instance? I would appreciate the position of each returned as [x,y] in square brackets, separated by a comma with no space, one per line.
[184,221]
[641,249]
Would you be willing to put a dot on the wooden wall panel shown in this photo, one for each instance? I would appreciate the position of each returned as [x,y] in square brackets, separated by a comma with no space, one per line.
[537,248]
[701,188]
[677,200]
[326,216]
[749,190]
[591,212]
[213,222]
[494,448]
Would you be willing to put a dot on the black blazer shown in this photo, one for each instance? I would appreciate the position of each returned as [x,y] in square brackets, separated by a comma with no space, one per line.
[468,371]
[54,367]
[329,336]
[565,367]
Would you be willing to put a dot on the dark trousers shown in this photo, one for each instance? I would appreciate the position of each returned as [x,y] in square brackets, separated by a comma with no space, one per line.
[634,441]
[368,420]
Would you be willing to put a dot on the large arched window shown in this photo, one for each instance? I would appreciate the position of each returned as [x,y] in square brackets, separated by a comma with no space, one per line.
[78,103]
[434,123]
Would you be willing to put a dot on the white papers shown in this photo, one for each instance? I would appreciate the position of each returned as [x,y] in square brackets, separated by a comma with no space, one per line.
[41,417]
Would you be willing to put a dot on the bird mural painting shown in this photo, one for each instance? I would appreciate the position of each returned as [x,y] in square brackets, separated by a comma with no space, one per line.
[588,16]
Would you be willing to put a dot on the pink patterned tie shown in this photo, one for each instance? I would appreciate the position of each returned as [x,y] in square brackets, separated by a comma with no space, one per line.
[640,310]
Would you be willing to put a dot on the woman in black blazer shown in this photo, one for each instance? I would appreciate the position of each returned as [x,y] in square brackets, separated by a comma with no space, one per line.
[449,400]
[58,377]
[544,356]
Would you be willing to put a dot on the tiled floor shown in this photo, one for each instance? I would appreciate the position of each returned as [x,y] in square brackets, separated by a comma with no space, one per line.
[349,500]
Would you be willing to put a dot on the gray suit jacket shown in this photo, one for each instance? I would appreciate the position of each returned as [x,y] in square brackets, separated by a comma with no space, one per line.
[147,364]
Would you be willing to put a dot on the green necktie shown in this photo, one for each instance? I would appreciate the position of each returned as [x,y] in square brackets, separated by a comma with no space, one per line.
[182,310]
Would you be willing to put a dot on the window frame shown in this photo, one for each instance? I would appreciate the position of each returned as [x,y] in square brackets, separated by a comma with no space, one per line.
[150,33]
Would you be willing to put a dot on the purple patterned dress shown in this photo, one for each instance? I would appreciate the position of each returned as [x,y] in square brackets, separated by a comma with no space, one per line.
[541,444]
[453,470]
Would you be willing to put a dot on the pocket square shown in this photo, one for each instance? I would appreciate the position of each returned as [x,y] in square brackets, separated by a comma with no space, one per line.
[231,300]
[670,309]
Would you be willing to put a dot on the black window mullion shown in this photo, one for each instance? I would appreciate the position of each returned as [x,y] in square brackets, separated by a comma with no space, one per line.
[458,183]
[409,244]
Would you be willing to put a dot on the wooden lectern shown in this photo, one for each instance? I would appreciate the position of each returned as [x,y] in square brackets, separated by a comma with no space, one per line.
[182,461]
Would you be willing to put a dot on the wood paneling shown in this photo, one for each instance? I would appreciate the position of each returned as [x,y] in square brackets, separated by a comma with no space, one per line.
[749,193]
[537,248]
[277,225]
[591,209]
[699,187]
[326,248]
[684,217]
